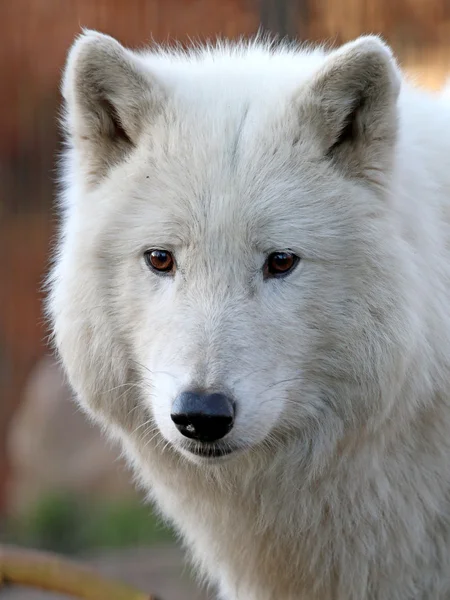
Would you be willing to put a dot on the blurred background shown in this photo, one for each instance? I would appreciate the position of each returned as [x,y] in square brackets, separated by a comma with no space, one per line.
[61,486]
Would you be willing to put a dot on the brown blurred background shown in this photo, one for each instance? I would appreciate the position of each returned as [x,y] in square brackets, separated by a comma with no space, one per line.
[57,475]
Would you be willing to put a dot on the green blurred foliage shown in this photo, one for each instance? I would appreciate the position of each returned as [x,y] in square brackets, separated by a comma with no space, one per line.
[66,524]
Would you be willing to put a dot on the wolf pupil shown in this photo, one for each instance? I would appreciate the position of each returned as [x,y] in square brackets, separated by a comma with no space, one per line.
[159,260]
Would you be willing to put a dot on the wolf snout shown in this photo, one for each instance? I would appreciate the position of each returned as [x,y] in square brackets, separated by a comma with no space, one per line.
[203,417]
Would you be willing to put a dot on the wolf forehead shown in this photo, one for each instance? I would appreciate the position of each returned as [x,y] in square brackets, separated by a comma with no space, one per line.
[225,112]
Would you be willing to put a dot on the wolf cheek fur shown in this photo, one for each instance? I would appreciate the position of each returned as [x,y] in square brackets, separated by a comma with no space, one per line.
[337,486]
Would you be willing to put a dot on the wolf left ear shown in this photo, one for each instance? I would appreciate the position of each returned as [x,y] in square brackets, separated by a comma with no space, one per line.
[108,95]
[350,105]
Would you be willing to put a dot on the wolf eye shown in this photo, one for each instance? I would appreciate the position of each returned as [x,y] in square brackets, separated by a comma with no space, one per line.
[160,261]
[279,264]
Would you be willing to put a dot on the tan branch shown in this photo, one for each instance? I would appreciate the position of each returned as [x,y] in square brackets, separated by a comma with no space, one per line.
[49,572]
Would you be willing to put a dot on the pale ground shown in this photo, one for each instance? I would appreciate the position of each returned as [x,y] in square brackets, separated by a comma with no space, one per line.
[159,571]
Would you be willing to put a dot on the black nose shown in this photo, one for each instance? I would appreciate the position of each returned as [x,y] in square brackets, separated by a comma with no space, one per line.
[203,417]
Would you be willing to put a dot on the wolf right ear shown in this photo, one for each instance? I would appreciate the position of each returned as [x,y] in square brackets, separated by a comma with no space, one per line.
[108,95]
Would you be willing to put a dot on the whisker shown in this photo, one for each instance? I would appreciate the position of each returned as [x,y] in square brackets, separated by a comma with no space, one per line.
[122,385]
[145,368]
[144,424]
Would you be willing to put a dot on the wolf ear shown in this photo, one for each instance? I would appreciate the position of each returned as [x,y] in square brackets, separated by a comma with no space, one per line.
[108,95]
[351,106]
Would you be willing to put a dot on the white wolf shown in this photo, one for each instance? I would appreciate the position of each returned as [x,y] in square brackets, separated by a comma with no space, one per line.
[252,293]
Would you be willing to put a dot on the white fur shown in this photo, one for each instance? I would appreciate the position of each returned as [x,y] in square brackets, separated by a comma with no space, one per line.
[340,371]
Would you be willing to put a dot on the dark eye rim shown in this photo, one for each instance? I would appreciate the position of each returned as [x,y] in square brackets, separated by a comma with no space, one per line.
[162,272]
[280,275]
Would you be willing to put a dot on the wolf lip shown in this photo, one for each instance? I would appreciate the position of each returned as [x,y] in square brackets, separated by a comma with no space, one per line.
[210,451]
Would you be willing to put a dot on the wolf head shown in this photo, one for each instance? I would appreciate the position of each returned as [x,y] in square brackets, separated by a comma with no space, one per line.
[230,273]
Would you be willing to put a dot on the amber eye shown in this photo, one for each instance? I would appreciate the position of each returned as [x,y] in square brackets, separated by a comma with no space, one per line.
[280,263]
[160,261]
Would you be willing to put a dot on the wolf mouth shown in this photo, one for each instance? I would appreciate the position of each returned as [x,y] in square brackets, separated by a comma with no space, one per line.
[210,451]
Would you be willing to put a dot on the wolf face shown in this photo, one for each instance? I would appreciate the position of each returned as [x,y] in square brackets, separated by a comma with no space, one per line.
[230,272]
